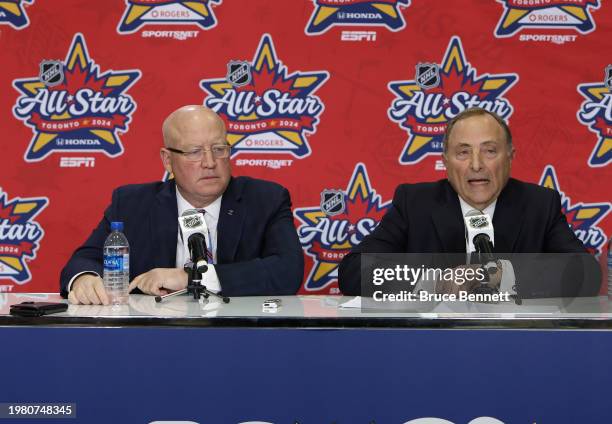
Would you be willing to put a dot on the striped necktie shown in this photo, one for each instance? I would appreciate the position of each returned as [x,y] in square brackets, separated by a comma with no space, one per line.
[209,245]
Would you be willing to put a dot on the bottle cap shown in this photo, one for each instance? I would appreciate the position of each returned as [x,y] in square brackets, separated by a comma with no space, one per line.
[116,226]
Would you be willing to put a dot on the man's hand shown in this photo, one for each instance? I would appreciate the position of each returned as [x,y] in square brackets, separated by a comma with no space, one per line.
[160,281]
[496,277]
[88,289]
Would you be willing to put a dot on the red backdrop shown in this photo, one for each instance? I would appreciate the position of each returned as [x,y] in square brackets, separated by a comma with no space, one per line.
[338,100]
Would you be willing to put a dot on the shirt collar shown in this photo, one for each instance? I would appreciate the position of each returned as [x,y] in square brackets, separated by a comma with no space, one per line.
[214,209]
[465,207]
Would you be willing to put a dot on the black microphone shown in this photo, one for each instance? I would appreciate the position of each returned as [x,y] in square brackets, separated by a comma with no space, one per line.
[479,235]
[484,247]
[193,233]
[193,230]
[196,243]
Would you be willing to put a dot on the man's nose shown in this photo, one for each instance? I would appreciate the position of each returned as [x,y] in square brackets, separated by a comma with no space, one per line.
[208,160]
[475,162]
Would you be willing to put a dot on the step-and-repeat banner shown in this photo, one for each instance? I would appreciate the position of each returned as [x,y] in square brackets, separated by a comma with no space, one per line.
[338,100]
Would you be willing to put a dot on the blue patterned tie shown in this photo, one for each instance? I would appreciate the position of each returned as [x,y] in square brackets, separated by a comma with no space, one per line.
[209,247]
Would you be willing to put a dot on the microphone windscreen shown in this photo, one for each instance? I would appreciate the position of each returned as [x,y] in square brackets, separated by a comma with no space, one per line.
[476,223]
[190,222]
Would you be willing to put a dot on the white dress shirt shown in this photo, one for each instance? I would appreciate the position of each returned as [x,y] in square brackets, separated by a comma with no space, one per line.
[465,209]
[210,278]
[508,278]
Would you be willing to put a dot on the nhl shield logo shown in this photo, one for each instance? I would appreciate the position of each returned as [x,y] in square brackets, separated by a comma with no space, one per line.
[608,77]
[479,222]
[238,73]
[332,202]
[192,221]
[427,75]
[51,72]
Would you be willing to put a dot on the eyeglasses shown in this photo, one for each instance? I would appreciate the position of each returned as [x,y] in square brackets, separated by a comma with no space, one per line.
[219,151]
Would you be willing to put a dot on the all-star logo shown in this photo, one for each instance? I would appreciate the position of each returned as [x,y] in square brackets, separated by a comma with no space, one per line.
[20,235]
[582,217]
[168,12]
[329,13]
[328,237]
[81,113]
[519,14]
[596,113]
[12,13]
[424,112]
[271,113]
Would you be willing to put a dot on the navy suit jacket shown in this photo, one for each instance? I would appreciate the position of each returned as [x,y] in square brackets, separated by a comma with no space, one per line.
[258,251]
[427,218]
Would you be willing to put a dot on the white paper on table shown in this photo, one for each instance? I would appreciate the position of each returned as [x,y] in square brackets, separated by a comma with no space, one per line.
[353,303]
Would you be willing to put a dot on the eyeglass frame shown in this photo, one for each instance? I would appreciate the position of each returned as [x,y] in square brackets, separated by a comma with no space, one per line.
[226,148]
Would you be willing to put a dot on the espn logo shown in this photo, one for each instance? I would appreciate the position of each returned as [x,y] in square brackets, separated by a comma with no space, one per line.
[77,162]
[358,36]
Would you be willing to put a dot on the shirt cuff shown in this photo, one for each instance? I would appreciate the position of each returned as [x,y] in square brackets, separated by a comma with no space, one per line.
[211,280]
[77,276]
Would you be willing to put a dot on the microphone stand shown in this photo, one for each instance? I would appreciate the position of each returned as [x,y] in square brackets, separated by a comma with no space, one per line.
[194,284]
[484,248]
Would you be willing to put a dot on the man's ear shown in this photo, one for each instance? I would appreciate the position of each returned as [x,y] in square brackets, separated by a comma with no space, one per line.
[165,157]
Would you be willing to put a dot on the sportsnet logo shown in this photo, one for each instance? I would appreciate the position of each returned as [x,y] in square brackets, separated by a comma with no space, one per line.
[582,217]
[329,13]
[70,106]
[13,14]
[596,113]
[341,220]
[20,236]
[557,14]
[438,93]
[265,109]
[167,12]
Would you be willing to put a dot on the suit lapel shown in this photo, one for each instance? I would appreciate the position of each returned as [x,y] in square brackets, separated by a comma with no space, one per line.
[448,221]
[231,220]
[164,226]
[507,219]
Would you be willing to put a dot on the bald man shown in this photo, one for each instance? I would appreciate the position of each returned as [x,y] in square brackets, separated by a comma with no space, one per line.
[254,245]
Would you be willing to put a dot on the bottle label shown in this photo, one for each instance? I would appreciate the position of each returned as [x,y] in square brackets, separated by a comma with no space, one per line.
[126,262]
[116,262]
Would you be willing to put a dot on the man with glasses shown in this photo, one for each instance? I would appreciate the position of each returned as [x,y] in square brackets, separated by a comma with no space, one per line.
[254,246]
[428,217]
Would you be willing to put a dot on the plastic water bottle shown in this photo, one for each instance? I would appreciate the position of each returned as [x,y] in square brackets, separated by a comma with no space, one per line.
[610,269]
[117,265]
